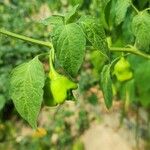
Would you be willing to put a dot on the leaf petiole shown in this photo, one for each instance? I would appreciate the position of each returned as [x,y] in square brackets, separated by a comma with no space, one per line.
[136,10]
[132,50]
[25,38]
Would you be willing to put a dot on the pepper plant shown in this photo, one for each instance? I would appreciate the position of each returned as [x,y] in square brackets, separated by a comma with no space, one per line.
[72,34]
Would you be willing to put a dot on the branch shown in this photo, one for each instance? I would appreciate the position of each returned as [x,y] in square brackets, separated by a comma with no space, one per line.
[136,10]
[132,50]
[24,38]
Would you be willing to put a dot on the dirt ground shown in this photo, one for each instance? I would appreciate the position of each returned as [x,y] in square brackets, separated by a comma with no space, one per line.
[107,136]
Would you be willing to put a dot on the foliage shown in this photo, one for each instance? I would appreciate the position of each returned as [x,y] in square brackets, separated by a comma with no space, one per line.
[26,89]
[104,26]
[140,26]
[106,85]
[17,16]
[69,43]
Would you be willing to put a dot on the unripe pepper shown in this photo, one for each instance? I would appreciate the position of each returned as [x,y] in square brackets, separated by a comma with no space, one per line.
[58,86]
[122,70]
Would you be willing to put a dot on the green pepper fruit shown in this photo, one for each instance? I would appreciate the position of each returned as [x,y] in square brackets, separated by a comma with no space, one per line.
[58,86]
[48,97]
[122,70]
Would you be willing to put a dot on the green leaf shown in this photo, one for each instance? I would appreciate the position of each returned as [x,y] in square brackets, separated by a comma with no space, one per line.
[71,15]
[97,61]
[26,89]
[121,10]
[106,85]
[142,79]
[69,42]
[53,20]
[127,33]
[144,99]
[2,102]
[103,12]
[75,2]
[95,33]
[112,13]
[141,27]
[127,91]
[142,3]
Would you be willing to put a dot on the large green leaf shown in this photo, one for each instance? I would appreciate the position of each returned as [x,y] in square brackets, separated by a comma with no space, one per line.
[141,30]
[69,42]
[26,89]
[95,33]
[106,85]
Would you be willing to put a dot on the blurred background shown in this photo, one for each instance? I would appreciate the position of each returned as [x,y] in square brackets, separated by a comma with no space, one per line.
[82,125]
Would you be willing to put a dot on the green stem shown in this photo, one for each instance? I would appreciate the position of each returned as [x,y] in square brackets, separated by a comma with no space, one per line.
[136,10]
[132,50]
[147,9]
[24,38]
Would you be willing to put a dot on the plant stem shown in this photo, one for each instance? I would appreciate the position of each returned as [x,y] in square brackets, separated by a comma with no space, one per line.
[147,9]
[136,10]
[24,38]
[130,50]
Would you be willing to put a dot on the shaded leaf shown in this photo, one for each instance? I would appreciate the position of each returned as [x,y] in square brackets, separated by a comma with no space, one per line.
[121,10]
[104,12]
[71,15]
[127,91]
[106,85]
[127,28]
[142,79]
[2,102]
